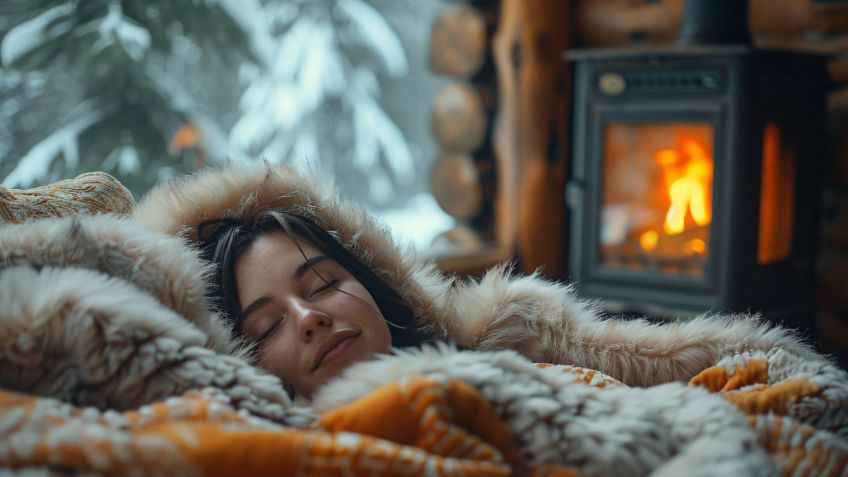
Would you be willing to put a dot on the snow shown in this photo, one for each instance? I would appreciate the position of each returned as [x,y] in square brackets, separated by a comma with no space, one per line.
[378,34]
[320,67]
[374,128]
[419,222]
[124,159]
[34,166]
[116,28]
[309,66]
[337,51]
[293,47]
[128,160]
[31,34]
[252,18]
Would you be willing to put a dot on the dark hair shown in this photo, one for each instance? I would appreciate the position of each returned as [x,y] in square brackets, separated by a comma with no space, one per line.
[222,241]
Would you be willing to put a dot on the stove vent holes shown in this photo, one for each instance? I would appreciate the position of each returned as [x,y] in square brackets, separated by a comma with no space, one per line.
[663,82]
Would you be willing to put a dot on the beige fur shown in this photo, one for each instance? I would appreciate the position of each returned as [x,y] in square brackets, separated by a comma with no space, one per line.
[239,191]
[156,263]
[98,311]
[104,312]
[544,321]
[615,431]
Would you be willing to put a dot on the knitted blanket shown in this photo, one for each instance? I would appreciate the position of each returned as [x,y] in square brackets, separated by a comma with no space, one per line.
[500,416]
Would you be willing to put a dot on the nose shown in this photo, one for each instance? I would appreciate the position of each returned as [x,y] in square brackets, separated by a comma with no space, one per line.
[308,319]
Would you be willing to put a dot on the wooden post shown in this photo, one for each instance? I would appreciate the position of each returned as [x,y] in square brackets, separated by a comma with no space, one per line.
[532,127]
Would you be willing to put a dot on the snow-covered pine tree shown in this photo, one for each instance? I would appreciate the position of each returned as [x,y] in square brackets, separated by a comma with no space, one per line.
[315,95]
[99,86]
[105,84]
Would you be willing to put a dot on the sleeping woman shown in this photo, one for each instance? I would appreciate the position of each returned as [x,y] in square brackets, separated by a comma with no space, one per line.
[101,315]
[310,307]
[315,285]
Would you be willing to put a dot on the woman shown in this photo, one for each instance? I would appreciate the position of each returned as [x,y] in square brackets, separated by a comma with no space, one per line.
[310,306]
[261,224]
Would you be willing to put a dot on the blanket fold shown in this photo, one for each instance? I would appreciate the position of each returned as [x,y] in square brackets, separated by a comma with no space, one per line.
[513,418]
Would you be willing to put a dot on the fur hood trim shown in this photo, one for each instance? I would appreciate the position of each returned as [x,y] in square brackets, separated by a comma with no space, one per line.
[242,191]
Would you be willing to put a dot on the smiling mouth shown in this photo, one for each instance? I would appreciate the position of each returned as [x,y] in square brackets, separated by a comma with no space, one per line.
[333,347]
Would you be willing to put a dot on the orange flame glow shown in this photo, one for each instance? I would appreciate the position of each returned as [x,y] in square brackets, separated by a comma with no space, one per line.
[688,171]
[649,240]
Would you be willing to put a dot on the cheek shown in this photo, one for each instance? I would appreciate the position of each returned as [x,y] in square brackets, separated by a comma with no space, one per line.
[365,312]
[279,357]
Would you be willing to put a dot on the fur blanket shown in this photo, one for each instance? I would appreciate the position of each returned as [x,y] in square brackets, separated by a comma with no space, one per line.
[112,364]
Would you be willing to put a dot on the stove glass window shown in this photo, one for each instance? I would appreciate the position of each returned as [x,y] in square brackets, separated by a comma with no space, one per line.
[777,196]
[657,198]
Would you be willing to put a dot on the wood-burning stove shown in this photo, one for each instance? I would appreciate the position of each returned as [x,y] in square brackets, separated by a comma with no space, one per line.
[695,169]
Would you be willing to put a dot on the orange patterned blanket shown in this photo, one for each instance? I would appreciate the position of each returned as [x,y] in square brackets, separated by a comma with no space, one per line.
[112,364]
[417,426]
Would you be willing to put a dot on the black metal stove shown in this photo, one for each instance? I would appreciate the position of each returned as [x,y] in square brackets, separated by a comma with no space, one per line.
[695,171]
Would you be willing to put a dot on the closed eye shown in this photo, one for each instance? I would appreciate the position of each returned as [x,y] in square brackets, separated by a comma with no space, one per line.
[327,286]
[270,330]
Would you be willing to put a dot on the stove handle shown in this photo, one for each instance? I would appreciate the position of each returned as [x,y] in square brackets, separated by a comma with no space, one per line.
[574,190]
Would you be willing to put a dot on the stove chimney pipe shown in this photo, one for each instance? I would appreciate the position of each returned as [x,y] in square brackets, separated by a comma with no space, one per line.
[715,22]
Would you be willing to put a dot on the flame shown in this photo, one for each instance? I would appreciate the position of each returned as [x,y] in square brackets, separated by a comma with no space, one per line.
[688,171]
[649,240]
[697,246]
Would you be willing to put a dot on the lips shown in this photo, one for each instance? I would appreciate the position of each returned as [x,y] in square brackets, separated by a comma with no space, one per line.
[332,347]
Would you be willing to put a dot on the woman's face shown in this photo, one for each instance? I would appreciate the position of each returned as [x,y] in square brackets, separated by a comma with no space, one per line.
[309,329]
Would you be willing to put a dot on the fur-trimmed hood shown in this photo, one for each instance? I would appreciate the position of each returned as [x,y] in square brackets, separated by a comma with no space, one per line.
[542,320]
[243,191]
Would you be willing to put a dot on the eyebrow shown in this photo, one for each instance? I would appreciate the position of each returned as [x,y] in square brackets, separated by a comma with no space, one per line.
[308,264]
[298,273]
[257,304]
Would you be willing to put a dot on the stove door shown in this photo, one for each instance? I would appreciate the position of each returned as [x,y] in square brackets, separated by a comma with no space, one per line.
[645,205]
[656,197]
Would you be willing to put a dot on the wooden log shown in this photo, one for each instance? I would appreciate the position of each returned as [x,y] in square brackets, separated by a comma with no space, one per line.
[456,185]
[795,17]
[458,42]
[459,118]
[834,46]
[461,239]
[619,22]
[529,44]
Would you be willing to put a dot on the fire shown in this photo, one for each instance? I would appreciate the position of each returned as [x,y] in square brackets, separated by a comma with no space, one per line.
[649,240]
[697,246]
[689,173]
